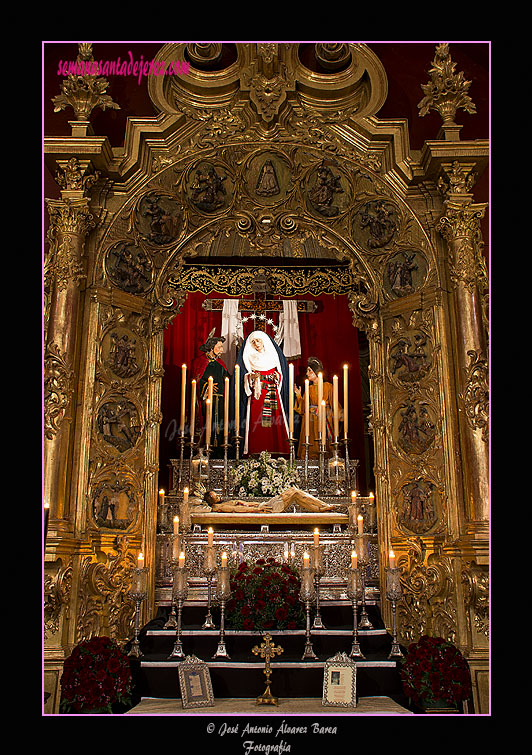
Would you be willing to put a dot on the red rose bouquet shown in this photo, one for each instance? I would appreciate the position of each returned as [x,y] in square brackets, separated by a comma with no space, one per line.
[265,595]
[435,670]
[96,676]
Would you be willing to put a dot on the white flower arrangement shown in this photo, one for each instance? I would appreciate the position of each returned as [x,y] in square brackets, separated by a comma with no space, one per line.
[263,477]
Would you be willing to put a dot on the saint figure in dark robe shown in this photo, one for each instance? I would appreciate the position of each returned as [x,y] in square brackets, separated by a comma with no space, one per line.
[209,365]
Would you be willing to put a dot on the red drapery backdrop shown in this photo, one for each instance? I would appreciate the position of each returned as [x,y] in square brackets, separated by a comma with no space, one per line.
[327,334]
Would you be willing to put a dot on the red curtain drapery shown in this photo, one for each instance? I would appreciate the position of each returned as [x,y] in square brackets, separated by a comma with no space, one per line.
[327,334]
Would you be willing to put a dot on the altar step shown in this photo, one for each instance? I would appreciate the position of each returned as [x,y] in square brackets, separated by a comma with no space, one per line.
[241,675]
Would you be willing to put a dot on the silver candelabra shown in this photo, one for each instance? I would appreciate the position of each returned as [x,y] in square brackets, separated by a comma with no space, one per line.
[393,594]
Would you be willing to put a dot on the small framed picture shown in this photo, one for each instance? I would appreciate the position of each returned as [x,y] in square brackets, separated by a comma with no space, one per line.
[195,683]
[340,682]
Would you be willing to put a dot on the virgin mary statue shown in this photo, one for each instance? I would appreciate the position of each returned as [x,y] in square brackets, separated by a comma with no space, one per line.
[263,395]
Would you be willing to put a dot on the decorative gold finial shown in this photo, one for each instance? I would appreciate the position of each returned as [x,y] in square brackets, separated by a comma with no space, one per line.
[83,91]
[267,650]
[447,90]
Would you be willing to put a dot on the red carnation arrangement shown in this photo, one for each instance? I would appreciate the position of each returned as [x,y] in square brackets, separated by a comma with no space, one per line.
[435,670]
[265,595]
[96,676]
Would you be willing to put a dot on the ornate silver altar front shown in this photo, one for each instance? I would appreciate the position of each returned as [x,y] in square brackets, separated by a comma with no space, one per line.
[284,536]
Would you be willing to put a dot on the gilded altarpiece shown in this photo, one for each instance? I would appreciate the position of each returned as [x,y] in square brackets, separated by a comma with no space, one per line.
[266,154]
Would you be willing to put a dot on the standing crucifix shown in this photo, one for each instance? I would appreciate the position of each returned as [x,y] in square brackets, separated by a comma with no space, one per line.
[267,650]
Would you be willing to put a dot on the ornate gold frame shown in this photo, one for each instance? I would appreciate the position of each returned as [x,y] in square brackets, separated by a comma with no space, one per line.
[107,271]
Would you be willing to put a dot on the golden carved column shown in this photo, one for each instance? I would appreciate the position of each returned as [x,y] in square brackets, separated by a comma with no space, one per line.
[460,225]
[70,220]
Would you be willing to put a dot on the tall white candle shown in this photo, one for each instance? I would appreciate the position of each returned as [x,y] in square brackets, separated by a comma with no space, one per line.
[354,560]
[224,560]
[316,537]
[183,397]
[345,401]
[323,421]
[185,496]
[306,558]
[335,407]
[226,408]
[161,496]
[210,534]
[291,399]
[307,411]
[209,423]
[192,409]
[360,521]
[140,561]
[392,560]
[181,560]
[176,525]
[320,399]
[237,398]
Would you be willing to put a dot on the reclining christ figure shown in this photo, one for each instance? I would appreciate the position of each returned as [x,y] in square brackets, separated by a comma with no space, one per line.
[203,500]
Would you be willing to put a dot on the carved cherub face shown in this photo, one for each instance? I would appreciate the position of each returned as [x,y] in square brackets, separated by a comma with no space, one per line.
[257,344]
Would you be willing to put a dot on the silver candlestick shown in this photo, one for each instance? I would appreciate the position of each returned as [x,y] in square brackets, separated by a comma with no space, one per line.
[223,592]
[348,482]
[181,458]
[363,560]
[238,438]
[292,442]
[354,592]
[317,563]
[176,550]
[307,446]
[138,592]
[306,596]
[393,594]
[209,567]
[180,592]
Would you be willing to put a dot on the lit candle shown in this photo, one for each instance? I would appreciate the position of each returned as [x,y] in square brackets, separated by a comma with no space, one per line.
[210,534]
[353,497]
[286,552]
[46,517]
[192,409]
[161,496]
[306,558]
[360,520]
[183,396]
[335,407]
[140,561]
[316,537]
[209,423]
[291,399]
[224,560]
[371,496]
[181,560]
[392,560]
[292,552]
[237,399]
[307,411]
[345,401]
[320,399]
[176,525]
[354,560]
[185,496]
[210,388]
[324,421]
[226,409]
